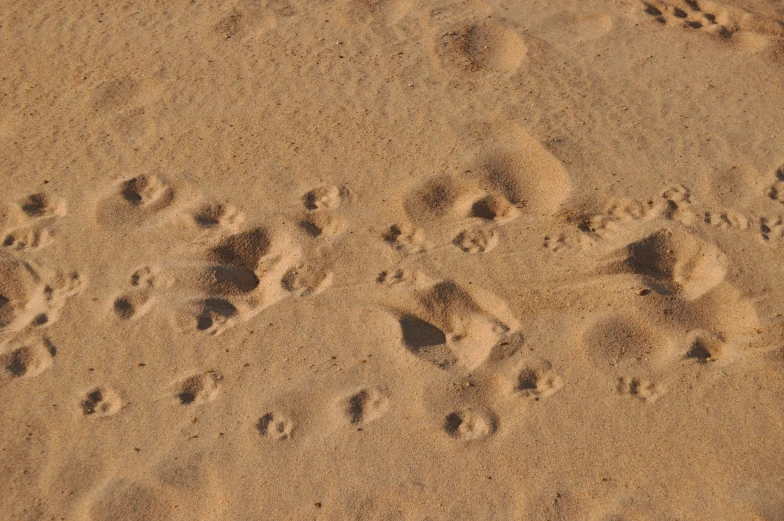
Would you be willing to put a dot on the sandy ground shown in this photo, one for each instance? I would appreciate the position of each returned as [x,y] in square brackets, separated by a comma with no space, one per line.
[392,260]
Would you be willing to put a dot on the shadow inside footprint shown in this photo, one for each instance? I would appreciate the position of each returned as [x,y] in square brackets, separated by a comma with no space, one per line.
[418,334]
[214,310]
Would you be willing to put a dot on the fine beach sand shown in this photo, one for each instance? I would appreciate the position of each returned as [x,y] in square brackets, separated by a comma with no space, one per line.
[392,260]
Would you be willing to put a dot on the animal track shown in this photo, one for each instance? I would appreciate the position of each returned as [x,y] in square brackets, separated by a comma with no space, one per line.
[31,297]
[771,228]
[132,305]
[405,238]
[198,389]
[494,208]
[323,224]
[275,426]
[639,388]
[477,239]
[101,402]
[365,406]
[673,204]
[28,239]
[400,276]
[148,277]
[213,215]
[727,220]
[776,190]
[306,280]
[726,21]
[42,205]
[537,380]
[135,200]
[324,197]
[690,16]
[24,359]
[27,226]
[470,424]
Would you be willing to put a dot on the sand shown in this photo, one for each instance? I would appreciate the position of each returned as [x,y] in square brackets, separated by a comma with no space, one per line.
[392,260]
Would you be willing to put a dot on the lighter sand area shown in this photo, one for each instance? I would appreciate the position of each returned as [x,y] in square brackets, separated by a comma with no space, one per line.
[392,260]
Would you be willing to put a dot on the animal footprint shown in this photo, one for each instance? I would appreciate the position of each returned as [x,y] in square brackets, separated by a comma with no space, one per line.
[306,280]
[324,197]
[132,305]
[400,276]
[213,215]
[477,239]
[689,16]
[538,380]
[30,297]
[101,402]
[365,406]
[198,389]
[28,228]
[405,238]
[323,224]
[727,220]
[470,424]
[28,239]
[135,201]
[776,190]
[639,388]
[771,228]
[27,359]
[275,426]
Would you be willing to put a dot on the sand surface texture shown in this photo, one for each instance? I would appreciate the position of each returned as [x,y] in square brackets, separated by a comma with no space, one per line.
[392,260]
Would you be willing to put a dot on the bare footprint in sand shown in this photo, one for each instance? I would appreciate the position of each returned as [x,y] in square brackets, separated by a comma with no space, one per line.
[673,262]
[450,326]
[481,47]
[515,166]
[239,277]
[442,199]
[704,347]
